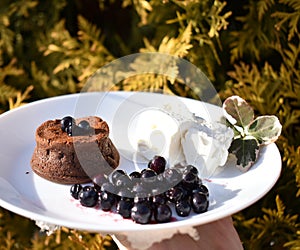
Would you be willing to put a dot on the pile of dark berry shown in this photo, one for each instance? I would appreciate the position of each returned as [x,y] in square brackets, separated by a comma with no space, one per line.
[149,195]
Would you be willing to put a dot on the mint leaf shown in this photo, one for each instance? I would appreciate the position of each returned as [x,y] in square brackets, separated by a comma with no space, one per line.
[246,151]
[265,129]
[238,112]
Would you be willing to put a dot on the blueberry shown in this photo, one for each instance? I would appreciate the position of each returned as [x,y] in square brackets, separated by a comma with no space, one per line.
[175,193]
[109,187]
[66,122]
[135,174]
[201,189]
[148,176]
[159,199]
[141,212]
[115,175]
[107,200]
[69,130]
[172,176]
[199,203]
[124,207]
[122,181]
[88,197]
[162,213]
[74,190]
[190,181]
[125,193]
[183,208]
[191,168]
[83,128]
[140,190]
[135,177]
[99,180]
[158,164]
[84,125]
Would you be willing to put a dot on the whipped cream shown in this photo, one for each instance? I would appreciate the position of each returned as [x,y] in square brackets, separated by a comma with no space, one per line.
[201,144]
[192,141]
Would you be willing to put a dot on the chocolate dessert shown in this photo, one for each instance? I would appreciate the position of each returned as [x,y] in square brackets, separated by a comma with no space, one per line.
[72,151]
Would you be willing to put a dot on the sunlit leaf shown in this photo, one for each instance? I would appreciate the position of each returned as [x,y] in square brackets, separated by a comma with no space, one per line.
[265,129]
[238,111]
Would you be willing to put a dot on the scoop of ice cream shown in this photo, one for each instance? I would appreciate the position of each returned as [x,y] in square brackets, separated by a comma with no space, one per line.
[202,144]
[151,131]
[192,141]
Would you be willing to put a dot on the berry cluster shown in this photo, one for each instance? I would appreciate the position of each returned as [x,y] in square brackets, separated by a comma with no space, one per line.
[147,195]
[69,126]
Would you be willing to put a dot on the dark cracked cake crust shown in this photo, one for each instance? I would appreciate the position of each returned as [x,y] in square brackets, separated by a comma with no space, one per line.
[66,159]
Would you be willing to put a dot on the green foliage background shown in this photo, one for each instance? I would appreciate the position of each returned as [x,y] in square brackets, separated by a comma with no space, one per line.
[249,48]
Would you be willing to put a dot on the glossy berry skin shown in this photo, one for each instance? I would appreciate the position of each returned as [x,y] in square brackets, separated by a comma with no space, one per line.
[107,200]
[122,181]
[201,189]
[183,208]
[162,213]
[70,130]
[135,177]
[199,203]
[172,176]
[174,194]
[190,181]
[158,164]
[74,190]
[145,195]
[141,212]
[109,187]
[115,175]
[135,174]
[99,180]
[192,169]
[148,175]
[159,199]
[66,122]
[88,197]
[124,207]
[84,125]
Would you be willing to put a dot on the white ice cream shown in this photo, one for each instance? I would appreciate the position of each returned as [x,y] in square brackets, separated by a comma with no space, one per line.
[193,141]
[202,144]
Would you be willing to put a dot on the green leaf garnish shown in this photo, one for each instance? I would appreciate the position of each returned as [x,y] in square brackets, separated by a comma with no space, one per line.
[246,151]
[249,133]
[238,111]
[266,129]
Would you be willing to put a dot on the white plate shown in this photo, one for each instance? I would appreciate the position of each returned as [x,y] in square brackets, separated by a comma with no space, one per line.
[24,193]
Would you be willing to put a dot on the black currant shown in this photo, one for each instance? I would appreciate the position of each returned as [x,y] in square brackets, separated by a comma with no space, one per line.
[141,212]
[115,175]
[172,176]
[199,203]
[124,207]
[107,200]
[84,125]
[201,189]
[175,193]
[66,122]
[183,208]
[158,164]
[162,213]
[99,180]
[88,197]
[74,190]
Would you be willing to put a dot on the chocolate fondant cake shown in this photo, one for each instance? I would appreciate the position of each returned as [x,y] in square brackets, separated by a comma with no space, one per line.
[67,159]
